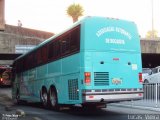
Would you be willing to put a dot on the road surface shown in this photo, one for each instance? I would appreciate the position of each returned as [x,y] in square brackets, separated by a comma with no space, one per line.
[37,112]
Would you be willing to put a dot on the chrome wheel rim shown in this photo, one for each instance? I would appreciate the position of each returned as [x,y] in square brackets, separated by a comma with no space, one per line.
[44,98]
[52,98]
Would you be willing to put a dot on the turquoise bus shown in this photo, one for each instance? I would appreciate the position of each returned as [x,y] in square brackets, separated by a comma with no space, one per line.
[94,62]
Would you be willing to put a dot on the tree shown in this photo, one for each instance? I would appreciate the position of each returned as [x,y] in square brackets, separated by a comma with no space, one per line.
[75,11]
[152,34]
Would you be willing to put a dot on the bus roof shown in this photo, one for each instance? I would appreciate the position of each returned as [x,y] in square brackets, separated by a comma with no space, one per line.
[57,35]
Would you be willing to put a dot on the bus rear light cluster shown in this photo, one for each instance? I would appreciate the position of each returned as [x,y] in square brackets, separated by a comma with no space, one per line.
[140,78]
[1,79]
[87,78]
[140,94]
[91,96]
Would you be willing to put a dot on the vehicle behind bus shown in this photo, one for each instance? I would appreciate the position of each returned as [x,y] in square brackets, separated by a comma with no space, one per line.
[96,61]
[5,75]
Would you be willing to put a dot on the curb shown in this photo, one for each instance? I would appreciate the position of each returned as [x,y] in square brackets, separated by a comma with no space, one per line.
[136,107]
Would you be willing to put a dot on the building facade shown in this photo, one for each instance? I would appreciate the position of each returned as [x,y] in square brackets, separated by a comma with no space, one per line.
[18,40]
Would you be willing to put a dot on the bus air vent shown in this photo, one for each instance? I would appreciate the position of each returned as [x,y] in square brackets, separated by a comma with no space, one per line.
[101,78]
[73,89]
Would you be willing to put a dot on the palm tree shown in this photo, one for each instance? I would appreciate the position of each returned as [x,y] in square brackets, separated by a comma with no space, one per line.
[75,11]
[152,34]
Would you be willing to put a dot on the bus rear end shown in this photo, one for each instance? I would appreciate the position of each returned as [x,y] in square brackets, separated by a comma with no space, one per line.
[111,66]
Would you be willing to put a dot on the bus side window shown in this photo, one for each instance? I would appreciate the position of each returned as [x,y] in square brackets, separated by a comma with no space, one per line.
[75,39]
[32,60]
[20,65]
[44,54]
[39,56]
[50,51]
[56,49]
[65,43]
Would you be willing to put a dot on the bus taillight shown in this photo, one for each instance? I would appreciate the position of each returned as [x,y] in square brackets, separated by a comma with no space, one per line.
[1,79]
[140,78]
[87,79]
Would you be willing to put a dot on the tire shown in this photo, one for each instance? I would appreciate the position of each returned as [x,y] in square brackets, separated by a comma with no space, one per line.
[53,101]
[146,81]
[44,97]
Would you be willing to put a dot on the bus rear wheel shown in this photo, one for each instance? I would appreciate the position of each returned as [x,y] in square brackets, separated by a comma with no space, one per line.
[53,99]
[44,97]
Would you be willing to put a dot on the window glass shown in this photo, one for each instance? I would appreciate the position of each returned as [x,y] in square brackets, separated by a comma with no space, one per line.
[75,38]
[50,51]
[154,70]
[62,46]
[65,43]
[39,56]
[56,49]
[44,54]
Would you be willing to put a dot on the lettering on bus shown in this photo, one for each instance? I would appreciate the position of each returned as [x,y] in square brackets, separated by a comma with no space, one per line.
[113,29]
[115,41]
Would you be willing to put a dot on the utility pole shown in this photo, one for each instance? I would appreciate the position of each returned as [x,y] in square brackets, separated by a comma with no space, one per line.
[152,7]
[2,15]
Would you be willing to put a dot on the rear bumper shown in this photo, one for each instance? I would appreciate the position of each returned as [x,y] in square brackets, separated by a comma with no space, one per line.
[109,97]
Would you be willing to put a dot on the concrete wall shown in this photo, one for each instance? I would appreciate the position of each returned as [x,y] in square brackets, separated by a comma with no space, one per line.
[150,46]
[9,41]
[14,35]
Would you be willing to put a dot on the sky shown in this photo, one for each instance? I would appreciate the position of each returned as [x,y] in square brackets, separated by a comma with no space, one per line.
[51,16]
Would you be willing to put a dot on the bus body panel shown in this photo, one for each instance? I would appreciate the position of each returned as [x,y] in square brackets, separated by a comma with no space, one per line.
[69,85]
[66,79]
[122,66]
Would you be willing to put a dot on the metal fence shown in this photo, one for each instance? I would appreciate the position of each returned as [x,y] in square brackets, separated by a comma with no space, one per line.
[151,94]
[151,97]
[151,91]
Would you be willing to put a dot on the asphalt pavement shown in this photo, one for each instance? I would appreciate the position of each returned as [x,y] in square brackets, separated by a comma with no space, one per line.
[34,111]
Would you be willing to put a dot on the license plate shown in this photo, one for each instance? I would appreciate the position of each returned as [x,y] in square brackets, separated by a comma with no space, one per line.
[116,81]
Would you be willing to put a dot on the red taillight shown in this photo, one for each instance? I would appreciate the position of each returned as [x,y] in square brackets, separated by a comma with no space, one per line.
[91,96]
[140,94]
[1,79]
[87,79]
[140,78]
